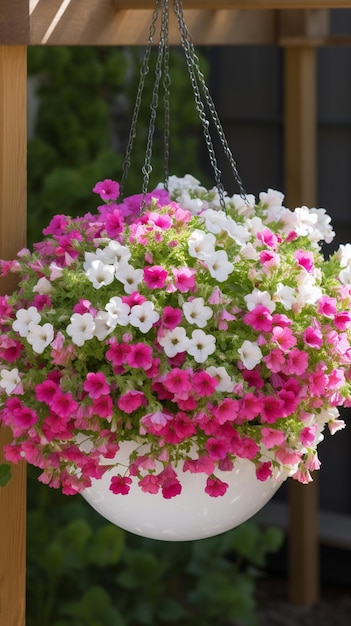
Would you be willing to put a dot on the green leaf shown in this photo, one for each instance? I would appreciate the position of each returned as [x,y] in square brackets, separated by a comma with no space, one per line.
[106,546]
[5,474]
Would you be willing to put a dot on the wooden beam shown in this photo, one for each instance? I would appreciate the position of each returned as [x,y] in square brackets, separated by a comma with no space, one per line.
[14,22]
[241,4]
[96,22]
[300,187]
[13,150]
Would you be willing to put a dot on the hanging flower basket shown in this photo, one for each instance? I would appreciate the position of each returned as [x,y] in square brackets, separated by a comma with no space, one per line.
[218,342]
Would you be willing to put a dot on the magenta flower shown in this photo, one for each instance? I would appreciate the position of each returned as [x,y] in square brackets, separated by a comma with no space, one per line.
[226,411]
[120,485]
[305,259]
[260,318]
[313,337]
[204,384]
[171,317]
[184,279]
[297,362]
[131,401]
[169,482]
[215,487]
[270,409]
[149,484]
[202,465]
[327,306]
[24,417]
[179,382]
[139,356]
[46,391]
[107,189]
[155,277]
[264,470]
[114,223]
[103,407]
[64,405]
[96,385]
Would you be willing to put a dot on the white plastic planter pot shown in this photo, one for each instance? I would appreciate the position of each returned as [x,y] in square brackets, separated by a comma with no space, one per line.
[191,515]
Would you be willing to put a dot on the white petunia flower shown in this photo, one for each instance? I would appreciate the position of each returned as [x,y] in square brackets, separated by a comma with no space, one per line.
[343,254]
[40,337]
[238,232]
[196,312]
[345,275]
[102,325]
[90,257]
[43,286]
[201,345]
[9,379]
[308,292]
[259,297]
[100,274]
[215,220]
[174,341]
[306,221]
[115,253]
[250,354]
[219,266]
[24,318]
[81,328]
[244,206]
[273,204]
[143,316]
[225,383]
[129,277]
[249,252]
[118,312]
[323,226]
[285,295]
[201,244]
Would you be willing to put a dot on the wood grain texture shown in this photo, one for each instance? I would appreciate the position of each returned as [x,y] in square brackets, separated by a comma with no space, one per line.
[13,76]
[301,189]
[240,4]
[96,22]
[14,21]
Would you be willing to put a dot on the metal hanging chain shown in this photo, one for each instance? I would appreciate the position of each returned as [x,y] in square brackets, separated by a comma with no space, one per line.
[193,61]
[161,62]
[166,97]
[144,69]
[193,73]
[198,84]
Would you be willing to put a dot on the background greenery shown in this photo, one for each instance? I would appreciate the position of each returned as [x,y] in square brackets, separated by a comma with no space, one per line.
[81,570]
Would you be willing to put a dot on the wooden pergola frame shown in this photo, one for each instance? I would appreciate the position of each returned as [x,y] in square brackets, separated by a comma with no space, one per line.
[298,26]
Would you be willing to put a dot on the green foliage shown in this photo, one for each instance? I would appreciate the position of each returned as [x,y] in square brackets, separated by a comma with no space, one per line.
[85,103]
[82,571]
[5,474]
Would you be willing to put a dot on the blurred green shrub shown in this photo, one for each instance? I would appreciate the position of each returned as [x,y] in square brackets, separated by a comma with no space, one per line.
[83,571]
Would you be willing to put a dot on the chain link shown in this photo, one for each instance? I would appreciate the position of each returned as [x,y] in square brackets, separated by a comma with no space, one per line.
[144,69]
[202,97]
[160,63]
[193,59]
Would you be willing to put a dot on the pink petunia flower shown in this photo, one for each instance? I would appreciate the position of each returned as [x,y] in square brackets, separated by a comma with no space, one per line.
[96,385]
[260,318]
[120,485]
[184,278]
[155,277]
[107,189]
[264,471]
[215,487]
[131,401]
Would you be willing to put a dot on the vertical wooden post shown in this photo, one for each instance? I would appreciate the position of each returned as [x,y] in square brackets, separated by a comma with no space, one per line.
[300,185]
[13,121]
